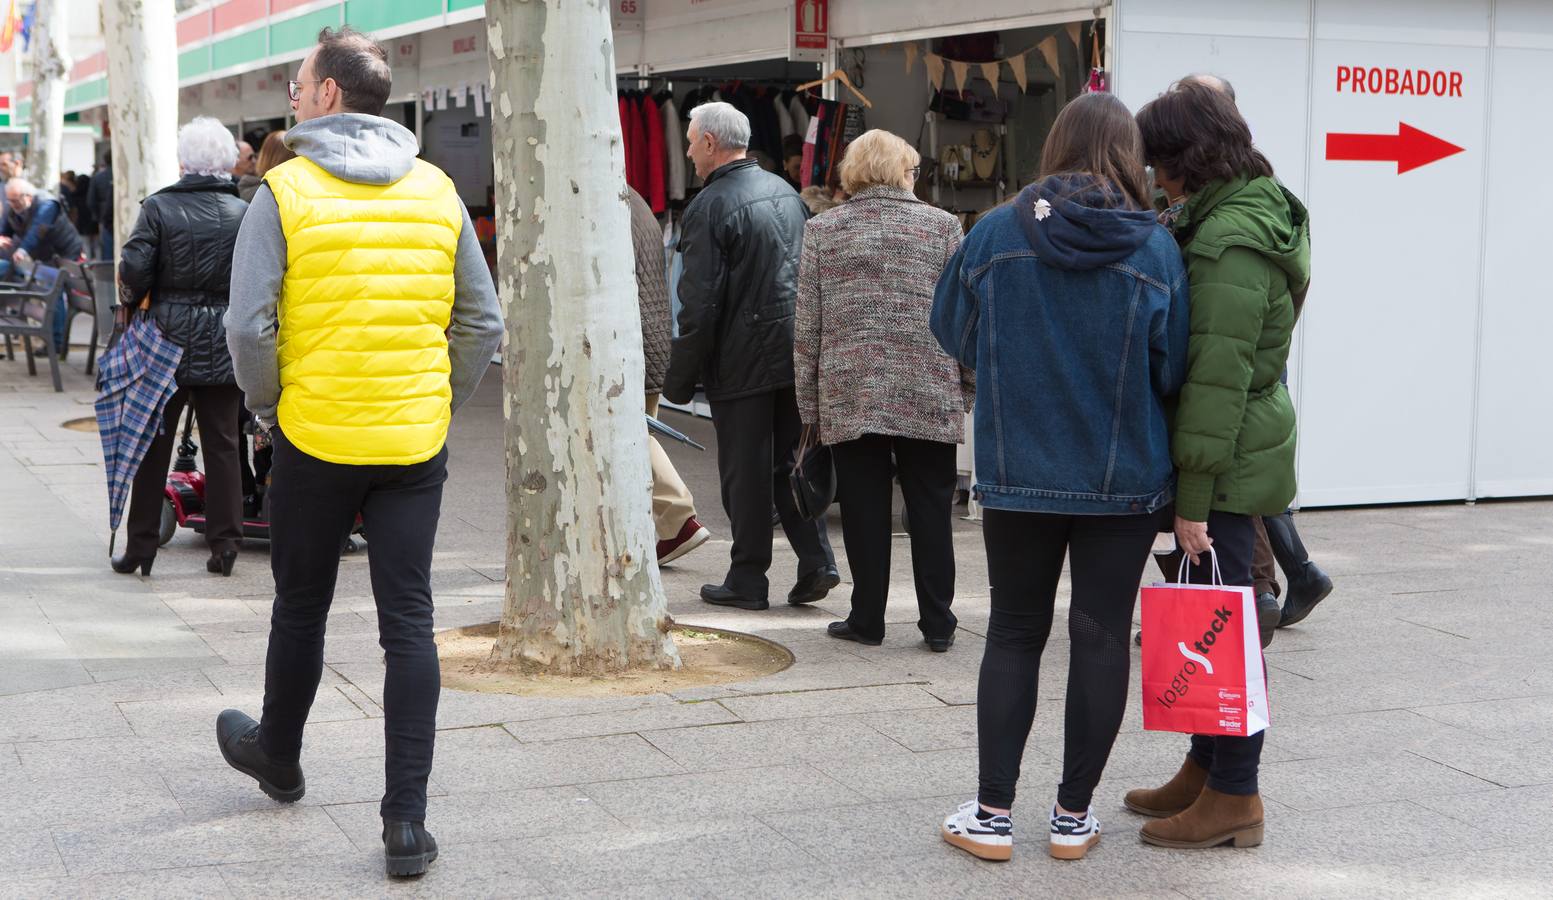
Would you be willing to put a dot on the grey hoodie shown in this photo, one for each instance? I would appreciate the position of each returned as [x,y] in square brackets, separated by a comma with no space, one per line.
[365,150]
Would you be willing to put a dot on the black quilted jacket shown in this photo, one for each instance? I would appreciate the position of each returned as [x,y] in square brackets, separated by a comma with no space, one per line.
[181,254]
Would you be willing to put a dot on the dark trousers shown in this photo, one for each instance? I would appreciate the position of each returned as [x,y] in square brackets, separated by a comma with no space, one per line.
[216,409]
[1025,552]
[1231,762]
[864,487]
[756,437]
[313,505]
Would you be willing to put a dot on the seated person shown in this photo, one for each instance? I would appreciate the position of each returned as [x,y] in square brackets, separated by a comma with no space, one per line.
[36,225]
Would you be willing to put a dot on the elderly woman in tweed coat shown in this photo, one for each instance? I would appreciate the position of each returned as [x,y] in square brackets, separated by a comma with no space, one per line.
[873,379]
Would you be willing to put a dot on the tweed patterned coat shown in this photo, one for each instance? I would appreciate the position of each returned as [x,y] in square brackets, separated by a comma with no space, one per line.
[652,292]
[864,357]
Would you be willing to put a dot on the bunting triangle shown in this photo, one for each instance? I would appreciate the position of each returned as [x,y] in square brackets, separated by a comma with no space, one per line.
[1017,64]
[989,71]
[962,71]
[911,57]
[935,71]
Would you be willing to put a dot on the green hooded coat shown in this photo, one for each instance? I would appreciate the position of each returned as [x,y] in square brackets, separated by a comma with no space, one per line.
[1246,242]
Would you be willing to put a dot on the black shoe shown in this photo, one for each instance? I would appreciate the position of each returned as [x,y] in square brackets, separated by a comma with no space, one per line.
[238,736]
[1138,638]
[1305,592]
[126,564]
[940,644]
[843,630]
[408,848]
[1267,615]
[814,586]
[222,562]
[718,595]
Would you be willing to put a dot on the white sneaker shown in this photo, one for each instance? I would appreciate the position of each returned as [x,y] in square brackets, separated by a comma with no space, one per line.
[1072,837]
[983,838]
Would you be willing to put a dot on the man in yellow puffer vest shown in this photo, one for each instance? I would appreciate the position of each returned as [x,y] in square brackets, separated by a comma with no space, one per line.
[362,315]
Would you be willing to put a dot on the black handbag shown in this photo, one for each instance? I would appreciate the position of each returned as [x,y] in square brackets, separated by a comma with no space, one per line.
[813,476]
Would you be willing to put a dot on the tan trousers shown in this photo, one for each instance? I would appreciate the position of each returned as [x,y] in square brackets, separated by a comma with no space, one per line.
[672,505]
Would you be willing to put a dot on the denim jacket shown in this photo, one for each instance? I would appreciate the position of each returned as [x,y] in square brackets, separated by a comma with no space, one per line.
[1073,314]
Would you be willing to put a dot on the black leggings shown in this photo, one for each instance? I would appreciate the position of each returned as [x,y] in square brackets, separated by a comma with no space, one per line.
[1025,552]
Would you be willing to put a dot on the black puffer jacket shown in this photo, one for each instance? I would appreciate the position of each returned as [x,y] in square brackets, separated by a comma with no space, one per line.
[741,241]
[181,254]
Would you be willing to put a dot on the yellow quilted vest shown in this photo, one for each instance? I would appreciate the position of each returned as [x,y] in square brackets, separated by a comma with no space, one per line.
[364,311]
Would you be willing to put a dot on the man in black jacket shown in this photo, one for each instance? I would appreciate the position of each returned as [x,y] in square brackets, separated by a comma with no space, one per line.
[99,196]
[741,241]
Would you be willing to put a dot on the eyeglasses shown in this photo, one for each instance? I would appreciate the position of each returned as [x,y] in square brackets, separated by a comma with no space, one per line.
[294,88]
[915,172]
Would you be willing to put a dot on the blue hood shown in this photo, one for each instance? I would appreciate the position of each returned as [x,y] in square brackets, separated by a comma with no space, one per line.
[1081,230]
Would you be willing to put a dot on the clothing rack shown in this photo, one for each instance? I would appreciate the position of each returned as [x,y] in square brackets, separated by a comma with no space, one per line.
[702,79]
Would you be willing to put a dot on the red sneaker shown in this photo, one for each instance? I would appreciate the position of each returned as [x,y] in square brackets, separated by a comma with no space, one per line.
[691,536]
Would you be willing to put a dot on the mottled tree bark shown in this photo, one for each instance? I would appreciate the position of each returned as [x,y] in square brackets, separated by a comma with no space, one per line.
[583,591]
[142,104]
[50,69]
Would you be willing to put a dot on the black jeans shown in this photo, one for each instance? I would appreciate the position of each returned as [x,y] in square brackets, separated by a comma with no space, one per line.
[1025,552]
[756,437]
[864,487]
[1231,762]
[216,409]
[313,505]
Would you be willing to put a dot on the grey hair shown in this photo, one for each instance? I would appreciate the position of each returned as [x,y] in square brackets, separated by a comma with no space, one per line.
[22,185]
[723,122]
[206,147]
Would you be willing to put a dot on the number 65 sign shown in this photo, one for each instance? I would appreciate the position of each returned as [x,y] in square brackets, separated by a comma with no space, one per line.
[627,13]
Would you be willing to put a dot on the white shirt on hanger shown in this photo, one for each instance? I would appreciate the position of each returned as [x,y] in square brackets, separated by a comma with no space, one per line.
[674,146]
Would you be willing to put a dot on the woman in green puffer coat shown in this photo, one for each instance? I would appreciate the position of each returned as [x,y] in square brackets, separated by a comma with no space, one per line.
[1246,243]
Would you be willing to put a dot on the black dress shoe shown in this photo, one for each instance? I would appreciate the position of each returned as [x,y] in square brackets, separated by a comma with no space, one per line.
[718,595]
[814,586]
[1311,587]
[940,644]
[238,736]
[222,562]
[408,848]
[843,630]
[126,564]
[1268,613]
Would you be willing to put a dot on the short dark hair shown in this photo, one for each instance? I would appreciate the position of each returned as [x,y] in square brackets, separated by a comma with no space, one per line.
[792,145]
[358,66]
[1194,132]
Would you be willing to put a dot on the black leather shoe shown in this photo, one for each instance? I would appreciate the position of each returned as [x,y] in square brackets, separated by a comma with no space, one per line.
[814,586]
[222,563]
[940,644]
[843,630]
[1311,587]
[1267,615]
[718,595]
[238,736]
[408,848]
[126,564]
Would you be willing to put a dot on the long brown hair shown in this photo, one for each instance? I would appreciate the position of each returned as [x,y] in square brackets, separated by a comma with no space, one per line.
[1095,135]
[273,153]
[1195,133]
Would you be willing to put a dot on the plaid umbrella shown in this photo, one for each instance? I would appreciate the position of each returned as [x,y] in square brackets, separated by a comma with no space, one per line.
[135,378]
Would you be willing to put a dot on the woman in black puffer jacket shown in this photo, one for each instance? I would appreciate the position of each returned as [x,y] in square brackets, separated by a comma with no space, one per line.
[180,254]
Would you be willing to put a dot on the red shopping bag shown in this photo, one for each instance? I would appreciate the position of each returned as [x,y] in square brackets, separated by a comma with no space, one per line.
[1202,659]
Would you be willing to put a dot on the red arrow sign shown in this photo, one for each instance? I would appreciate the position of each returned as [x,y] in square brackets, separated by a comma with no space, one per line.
[1409,148]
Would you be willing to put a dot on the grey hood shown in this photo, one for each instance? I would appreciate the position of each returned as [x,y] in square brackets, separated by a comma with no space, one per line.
[356,147]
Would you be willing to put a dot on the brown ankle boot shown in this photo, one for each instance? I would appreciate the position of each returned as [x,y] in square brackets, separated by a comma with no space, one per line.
[1177,794]
[1214,820]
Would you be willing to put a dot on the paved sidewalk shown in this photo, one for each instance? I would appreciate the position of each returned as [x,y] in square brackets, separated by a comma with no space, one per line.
[1411,756]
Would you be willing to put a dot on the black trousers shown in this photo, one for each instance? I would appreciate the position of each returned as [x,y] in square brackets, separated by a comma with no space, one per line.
[1025,552]
[313,505]
[864,487]
[756,437]
[1232,762]
[215,407]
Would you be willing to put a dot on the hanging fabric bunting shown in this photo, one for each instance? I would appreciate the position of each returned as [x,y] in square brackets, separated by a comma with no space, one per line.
[1075,34]
[911,57]
[1017,63]
[1048,50]
[935,71]
[962,71]
[989,71]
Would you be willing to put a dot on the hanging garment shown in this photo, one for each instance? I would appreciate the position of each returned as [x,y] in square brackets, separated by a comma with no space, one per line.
[640,166]
[809,149]
[800,114]
[784,117]
[652,123]
[673,150]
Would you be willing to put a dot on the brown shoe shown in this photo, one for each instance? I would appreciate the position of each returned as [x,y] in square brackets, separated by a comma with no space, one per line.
[1214,820]
[1178,793]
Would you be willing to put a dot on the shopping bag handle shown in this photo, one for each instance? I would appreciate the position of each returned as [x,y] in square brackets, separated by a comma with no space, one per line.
[1184,575]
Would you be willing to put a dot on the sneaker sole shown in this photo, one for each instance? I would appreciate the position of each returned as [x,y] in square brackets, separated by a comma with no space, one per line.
[690,544]
[1250,836]
[408,866]
[977,849]
[1073,851]
[270,790]
[819,593]
[1286,621]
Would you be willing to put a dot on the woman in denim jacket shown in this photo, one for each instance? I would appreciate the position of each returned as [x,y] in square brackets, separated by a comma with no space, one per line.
[1070,304]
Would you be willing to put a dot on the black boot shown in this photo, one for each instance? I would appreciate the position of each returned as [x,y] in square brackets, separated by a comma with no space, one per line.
[126,564]
[238,736]
[1268,616]
[408,848]
[1307,584]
